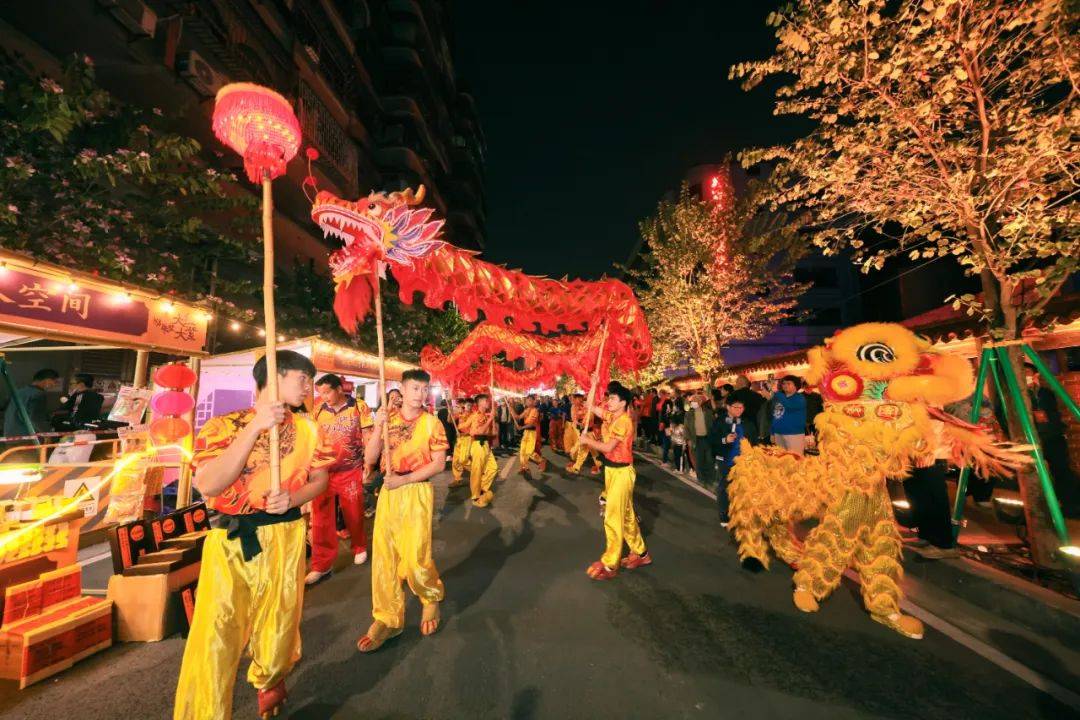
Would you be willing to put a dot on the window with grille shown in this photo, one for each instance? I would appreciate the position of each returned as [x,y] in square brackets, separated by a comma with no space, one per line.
[320,127]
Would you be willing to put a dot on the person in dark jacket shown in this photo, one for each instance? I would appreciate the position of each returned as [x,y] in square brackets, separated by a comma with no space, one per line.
[83,405]
[33,398]
[729,432]
[1051,430]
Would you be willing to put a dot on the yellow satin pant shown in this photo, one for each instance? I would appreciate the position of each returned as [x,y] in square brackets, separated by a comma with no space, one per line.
[528,451]
[620,521]
[459,462]
[257,604]
[401,550]
[570,439]
[579,453]
[483,471]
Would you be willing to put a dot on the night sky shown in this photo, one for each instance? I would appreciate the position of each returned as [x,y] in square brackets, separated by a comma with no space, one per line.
[593,110]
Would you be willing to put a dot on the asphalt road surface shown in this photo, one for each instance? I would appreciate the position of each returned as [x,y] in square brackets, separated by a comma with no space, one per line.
[527,635]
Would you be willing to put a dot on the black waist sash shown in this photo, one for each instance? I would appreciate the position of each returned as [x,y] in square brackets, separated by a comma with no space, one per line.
[611,463]
[245,527]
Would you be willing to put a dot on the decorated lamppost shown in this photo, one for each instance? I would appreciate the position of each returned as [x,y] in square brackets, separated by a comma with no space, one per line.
[261,126]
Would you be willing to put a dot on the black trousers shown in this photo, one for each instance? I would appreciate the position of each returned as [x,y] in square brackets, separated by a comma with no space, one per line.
[721,490]
[703,460]
[929,497]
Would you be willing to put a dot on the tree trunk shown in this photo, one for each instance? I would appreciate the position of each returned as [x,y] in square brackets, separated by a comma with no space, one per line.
[1042,539]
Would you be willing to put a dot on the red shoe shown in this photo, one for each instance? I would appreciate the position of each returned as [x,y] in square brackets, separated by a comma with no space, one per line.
[271,701]
[543,464]
[595,470]
[600,571]
[343,534]
[633,561]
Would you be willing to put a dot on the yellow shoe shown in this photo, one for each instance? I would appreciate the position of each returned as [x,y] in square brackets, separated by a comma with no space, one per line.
[904,624]
[805,601]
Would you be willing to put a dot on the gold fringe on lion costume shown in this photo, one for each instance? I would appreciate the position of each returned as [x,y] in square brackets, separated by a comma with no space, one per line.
[883,388]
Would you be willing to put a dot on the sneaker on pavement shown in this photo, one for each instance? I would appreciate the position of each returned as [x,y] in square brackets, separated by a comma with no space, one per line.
[315,576]
[360,558]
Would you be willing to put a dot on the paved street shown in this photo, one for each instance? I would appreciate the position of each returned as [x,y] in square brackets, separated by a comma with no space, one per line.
[527,635]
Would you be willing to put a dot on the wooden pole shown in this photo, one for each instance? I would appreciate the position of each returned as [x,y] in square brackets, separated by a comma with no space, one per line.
[596,379]
[270,321]
[382,373]
[142,361]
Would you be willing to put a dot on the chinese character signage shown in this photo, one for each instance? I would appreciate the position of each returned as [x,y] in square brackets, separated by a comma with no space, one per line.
[327,359]
[35,302]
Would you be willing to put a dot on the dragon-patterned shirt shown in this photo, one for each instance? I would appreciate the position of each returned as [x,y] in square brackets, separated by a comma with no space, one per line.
[344,430]
[302,450]
[413,442]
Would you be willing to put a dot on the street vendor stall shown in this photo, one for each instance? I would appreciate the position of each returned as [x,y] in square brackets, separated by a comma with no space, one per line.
[226,384]
[76,322]
[57,487]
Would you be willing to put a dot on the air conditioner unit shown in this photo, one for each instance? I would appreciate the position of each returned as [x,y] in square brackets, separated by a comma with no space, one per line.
[133,15]
[200,74]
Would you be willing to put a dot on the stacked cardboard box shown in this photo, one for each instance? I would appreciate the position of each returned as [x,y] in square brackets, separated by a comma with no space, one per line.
[155,562]
[48,626]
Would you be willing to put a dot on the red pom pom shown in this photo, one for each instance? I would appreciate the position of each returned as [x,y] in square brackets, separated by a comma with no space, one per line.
[310,180]
[312,153]
[174,375]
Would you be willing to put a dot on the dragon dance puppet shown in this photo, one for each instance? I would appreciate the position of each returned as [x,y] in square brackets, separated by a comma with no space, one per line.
[883,388]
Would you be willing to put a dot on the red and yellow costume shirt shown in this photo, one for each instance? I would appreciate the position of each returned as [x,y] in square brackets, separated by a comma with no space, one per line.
[621,429]
[412,443]
[344,430]
[302,450]
[479,424]
[464,422]
[531,419]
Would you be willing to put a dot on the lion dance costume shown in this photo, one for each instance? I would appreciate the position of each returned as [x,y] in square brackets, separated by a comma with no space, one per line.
[882,386]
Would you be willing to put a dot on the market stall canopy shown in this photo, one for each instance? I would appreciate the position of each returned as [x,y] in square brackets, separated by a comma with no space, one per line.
[48,301]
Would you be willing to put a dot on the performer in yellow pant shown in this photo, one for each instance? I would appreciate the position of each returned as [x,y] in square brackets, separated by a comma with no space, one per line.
[251,584]
[530,437]
[620,520]
[461,461]
[401,539]
[576,451]
[483,465]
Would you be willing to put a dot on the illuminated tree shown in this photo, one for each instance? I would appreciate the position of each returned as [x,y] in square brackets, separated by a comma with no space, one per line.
[713,275]
[949,126]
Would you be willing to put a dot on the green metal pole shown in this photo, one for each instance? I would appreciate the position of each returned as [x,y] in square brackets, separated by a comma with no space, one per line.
[19,406]
[1052,381]
[965,473]
[1029,432]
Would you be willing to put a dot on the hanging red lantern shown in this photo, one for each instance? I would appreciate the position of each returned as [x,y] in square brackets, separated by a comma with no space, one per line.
[172,402]
[169,430]
[174,375]
[260,125]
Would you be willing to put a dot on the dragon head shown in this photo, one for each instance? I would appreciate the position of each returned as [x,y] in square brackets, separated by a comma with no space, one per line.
[383,227]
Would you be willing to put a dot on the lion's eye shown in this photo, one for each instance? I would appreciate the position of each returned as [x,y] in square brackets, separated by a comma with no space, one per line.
[875,353]
[374,208]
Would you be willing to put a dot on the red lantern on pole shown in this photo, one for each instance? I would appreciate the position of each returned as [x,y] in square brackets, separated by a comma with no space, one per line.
[261,126]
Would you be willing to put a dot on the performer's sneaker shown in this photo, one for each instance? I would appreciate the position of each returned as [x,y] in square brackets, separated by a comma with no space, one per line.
[903,624]
[633,561]
[595,470]
[271,701]
[600,571]
[314,577]
[343,534]
[542,464]
[360,558]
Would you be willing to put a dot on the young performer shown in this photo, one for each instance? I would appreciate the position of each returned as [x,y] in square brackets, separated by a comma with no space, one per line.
[530,437]
[483,465]
[346,424]
[555,427]
[570,431]
[401,541]
[251,584]
[460,461]
[620,520]
[583,451]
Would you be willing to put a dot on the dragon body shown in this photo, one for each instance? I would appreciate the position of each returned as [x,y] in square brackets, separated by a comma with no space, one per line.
[390,231]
